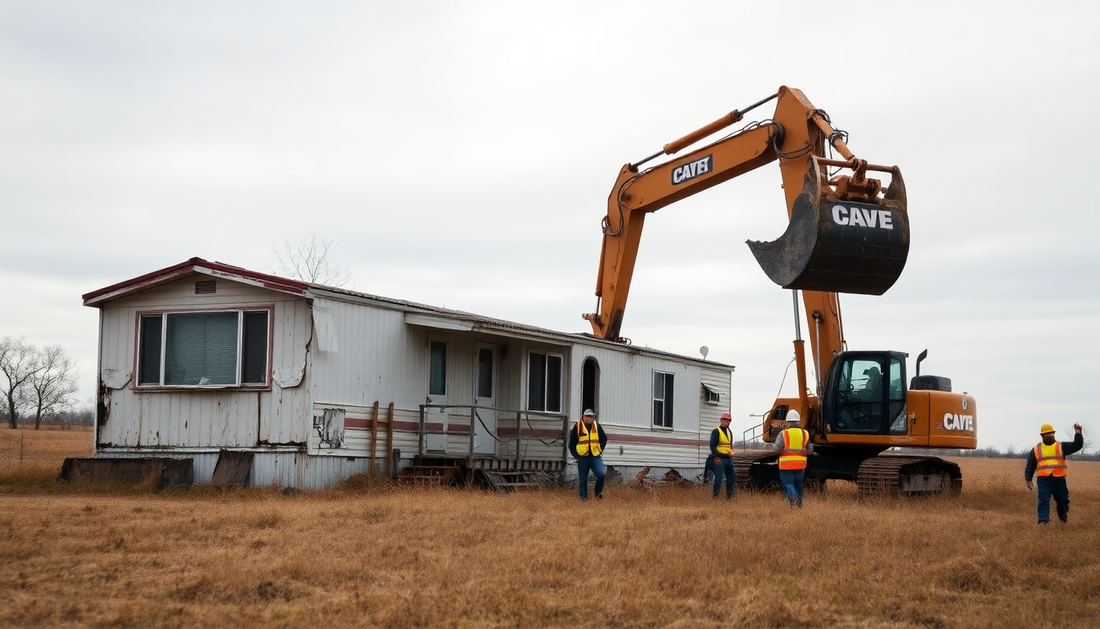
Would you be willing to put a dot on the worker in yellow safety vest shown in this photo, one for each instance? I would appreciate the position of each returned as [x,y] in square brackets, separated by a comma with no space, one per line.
[1047,461]
[587,441]
[721,453]
[794,446]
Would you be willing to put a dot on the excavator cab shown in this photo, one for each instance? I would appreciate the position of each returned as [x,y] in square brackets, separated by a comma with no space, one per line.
[844,236]
[865,394]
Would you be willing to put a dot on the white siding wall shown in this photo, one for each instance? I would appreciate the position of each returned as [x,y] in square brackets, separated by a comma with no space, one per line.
[380,357]
[626,388]
[625,407]
[206,418]
[374,358]
[717,380]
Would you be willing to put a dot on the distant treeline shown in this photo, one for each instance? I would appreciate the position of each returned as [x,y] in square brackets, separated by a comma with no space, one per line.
[64,419]
[993,453]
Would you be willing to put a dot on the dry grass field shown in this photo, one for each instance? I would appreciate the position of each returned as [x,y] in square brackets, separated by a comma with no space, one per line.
[380,556]
[26,451]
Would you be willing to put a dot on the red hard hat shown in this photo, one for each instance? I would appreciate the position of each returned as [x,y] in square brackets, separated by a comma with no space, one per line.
[725,416]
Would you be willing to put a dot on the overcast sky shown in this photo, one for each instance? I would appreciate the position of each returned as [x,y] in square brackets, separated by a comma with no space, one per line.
[461,154]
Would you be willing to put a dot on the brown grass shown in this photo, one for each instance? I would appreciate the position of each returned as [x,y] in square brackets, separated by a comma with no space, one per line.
[32,458]
[378,556]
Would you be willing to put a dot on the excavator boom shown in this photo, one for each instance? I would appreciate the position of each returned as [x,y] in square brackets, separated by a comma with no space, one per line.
[846,234]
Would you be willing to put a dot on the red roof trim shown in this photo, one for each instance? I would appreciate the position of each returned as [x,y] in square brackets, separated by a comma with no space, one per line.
[194,265]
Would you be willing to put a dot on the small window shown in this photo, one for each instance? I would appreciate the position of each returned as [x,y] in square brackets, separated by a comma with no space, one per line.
[544,382]
[710,396]
[437,377]
[485,372]
[662,399]
[203,349]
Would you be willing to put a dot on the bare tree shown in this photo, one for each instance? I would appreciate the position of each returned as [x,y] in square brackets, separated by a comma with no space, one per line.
[52,386]
[18,364]
[310,261]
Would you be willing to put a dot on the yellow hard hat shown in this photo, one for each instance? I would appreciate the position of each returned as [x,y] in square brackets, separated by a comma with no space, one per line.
[1045,429]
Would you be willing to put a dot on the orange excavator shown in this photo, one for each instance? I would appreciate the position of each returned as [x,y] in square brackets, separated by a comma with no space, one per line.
[847,234]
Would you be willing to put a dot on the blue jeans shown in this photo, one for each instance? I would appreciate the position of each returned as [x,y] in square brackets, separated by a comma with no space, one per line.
[724,467]
[1053,486]
[586,464]
[793,481]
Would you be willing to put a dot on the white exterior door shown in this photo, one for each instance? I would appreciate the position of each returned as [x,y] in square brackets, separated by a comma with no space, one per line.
[485,395]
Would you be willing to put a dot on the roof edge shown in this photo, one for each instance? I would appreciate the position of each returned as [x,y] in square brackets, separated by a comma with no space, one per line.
[193,265]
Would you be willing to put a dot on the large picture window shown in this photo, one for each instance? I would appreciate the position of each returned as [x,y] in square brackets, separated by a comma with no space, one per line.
[544,382]
[203,349]
[662,399]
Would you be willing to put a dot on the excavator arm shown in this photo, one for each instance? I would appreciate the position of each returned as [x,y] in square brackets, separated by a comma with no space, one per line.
[828,246]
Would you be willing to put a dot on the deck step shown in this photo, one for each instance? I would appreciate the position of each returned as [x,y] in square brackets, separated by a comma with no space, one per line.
[429,474]
[506,482]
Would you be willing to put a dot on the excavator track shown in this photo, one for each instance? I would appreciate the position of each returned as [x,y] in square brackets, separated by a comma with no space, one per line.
[752,473]
[908,476]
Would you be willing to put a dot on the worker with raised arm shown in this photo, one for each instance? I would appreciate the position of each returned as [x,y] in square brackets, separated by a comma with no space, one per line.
[586,442]
[1047,461]
[721,454]
[794,445]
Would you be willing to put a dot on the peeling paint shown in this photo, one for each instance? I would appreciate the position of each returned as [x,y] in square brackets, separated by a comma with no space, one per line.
[330,426]
[115,378]
[103,405]
[289,377]
[292,444]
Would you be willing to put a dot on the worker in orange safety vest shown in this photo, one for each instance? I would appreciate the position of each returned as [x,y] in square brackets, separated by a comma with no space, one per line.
[794,445]
[1047,461]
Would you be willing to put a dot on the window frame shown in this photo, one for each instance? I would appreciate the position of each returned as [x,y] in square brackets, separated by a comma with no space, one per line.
[711,396]
[666,402]
[546,381]
[163,316]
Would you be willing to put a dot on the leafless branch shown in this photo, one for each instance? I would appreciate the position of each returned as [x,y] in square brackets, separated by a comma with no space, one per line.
[53,385]
[310,261]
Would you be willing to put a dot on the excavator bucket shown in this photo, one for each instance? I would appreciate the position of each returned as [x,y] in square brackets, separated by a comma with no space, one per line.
[839,246]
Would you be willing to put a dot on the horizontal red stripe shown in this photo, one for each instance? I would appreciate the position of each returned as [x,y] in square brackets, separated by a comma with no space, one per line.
[462,429]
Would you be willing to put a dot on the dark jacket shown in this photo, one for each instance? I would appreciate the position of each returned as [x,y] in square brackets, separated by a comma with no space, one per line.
[575,438]
[714,443]
[1068,448]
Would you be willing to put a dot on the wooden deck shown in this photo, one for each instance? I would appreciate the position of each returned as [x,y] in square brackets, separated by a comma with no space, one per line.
[502,474]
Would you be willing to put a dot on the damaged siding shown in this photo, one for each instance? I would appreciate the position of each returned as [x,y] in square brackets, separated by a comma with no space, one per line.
[206,418]
[371,357]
